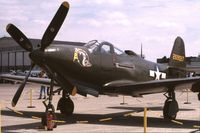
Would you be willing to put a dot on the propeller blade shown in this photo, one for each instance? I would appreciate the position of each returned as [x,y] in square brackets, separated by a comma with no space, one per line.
[55,25]
[19,37]
[21,88]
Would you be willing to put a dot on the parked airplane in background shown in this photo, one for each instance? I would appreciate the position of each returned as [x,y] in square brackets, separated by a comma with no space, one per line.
[99,68]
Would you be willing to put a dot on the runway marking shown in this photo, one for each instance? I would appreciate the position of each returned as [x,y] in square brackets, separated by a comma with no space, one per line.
[35,117]
[18,112]
[105,119]
[59,121]
[177,122]
[129,114]
[81,122]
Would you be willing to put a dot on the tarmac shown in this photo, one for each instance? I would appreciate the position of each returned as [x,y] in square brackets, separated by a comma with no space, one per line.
[104,114]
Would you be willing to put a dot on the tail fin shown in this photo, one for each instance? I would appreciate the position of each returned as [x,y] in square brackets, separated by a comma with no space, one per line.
[177,59]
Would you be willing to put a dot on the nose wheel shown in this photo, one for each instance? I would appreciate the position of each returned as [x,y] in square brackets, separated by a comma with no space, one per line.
[170,108]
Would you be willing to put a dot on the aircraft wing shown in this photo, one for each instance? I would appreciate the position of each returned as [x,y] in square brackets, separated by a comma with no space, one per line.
[150,87]
[36,80]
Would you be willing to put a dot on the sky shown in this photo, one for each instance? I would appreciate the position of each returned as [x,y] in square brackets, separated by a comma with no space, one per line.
[125,23]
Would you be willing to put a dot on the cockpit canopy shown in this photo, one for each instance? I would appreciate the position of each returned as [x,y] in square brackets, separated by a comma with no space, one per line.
[95,44]
[92,45]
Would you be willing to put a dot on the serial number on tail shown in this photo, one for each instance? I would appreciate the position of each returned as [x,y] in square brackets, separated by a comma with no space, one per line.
[178,57]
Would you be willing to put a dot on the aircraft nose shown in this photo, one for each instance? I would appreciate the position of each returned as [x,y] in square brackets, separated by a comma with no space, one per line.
[37,56]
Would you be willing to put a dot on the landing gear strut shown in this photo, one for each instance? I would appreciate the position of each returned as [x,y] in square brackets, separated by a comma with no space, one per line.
[170,108]
[65,104]
[199,96]
[48,119]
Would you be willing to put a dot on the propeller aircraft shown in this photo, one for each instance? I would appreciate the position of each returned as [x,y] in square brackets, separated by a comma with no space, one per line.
[99,68]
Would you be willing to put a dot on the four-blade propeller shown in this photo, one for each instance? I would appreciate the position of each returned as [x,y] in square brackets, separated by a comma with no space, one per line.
[47,39]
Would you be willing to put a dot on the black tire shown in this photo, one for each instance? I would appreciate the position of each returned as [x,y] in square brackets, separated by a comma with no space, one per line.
[66,106]
[170,109]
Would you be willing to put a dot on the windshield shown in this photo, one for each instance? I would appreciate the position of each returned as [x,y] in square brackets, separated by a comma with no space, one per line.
[92,45]
[118,51]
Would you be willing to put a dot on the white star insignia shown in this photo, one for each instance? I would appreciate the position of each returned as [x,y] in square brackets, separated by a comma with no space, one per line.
[157,74]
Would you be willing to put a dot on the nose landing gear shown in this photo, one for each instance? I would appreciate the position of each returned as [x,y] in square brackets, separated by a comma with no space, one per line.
[49,117]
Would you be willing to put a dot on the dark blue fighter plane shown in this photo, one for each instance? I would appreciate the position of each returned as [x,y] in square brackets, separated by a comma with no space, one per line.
[99,68]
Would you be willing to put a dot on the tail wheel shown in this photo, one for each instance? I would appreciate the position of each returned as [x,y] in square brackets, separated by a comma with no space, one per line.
[170,109]
[66,106]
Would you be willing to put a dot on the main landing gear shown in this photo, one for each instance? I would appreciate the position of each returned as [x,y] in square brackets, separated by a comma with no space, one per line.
[65,104]
[170,108]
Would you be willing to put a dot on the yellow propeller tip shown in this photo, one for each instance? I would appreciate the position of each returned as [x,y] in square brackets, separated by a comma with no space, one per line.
[66,4]
[8,26]
[13,104]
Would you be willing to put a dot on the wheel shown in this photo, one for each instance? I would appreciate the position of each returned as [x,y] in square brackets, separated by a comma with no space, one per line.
[170,109]
[66,106]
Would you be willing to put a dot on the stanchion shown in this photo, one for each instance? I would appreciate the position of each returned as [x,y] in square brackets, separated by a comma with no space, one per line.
[31,99]
[145,120]
[123,102]
[187,102]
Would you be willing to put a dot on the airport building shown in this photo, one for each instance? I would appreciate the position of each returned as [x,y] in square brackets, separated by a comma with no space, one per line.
[13,57]
[190,61]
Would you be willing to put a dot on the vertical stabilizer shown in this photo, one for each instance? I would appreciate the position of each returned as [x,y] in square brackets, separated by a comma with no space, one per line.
[177,62]
[177,58]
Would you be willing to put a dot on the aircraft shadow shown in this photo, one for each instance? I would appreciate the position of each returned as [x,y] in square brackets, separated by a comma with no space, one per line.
[118,119]
[142,108]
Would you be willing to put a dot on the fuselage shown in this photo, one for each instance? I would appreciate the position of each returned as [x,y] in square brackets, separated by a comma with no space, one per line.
[94,65]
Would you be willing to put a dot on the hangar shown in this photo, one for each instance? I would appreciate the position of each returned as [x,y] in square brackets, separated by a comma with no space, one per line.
[190,62]
[13,57]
